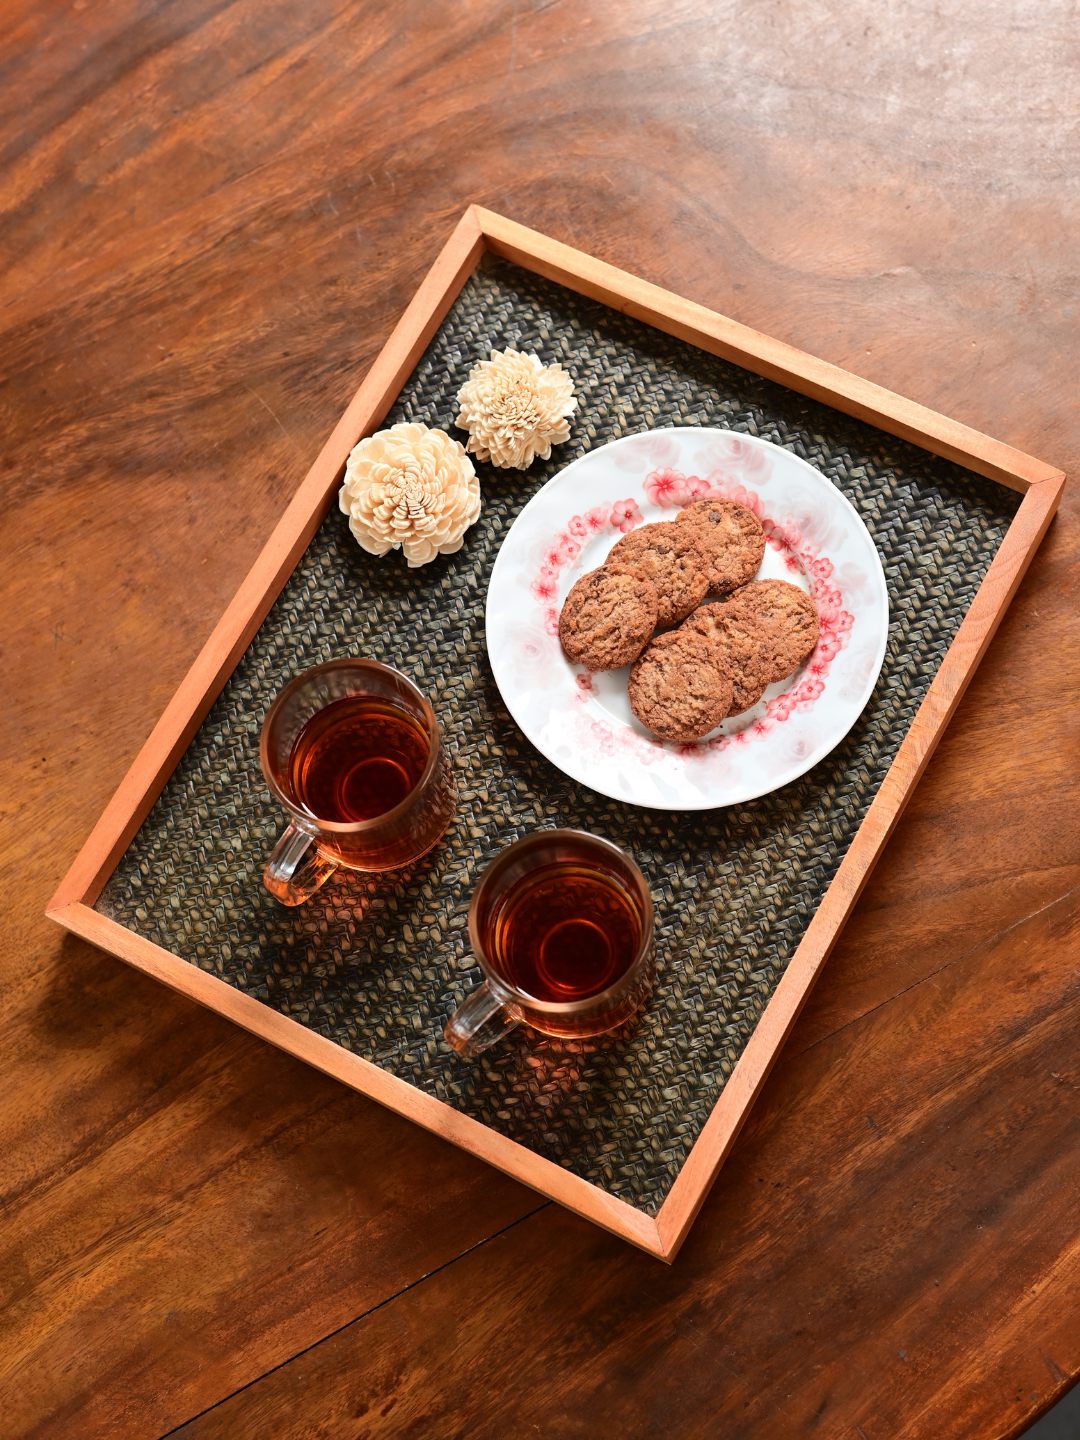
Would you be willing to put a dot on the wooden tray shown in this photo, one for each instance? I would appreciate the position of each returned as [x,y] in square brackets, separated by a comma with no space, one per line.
[479,231]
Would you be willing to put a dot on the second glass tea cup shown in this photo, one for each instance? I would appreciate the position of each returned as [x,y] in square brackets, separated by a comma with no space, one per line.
[567,962]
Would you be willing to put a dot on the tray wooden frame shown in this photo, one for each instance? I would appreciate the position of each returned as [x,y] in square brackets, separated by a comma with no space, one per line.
[477,231]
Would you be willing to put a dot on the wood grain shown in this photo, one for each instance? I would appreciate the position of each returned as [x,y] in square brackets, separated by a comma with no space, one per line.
[795,1284]
[214,216]
[167,1181]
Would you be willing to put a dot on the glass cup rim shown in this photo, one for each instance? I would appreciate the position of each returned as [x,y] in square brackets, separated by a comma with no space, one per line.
[560,1008]
[304,817]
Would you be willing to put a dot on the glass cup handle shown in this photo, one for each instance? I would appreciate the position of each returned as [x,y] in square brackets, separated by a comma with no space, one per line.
[296,868]
[480,1020]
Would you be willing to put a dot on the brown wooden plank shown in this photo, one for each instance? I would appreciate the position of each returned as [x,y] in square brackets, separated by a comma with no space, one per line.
[167,1182]
[794,1290]
[214,229]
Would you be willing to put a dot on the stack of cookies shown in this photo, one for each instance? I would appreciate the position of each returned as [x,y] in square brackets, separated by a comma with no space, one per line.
[710,660]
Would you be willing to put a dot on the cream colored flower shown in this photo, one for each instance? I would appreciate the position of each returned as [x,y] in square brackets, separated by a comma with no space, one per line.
[410,488]
[514,408]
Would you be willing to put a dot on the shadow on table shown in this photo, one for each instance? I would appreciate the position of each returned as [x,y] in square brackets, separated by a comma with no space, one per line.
[1060,1423]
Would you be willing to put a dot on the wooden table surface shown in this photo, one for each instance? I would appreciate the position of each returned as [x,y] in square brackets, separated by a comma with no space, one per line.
[213,215]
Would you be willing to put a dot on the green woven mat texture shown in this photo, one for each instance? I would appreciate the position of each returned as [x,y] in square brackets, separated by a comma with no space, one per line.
[378,965]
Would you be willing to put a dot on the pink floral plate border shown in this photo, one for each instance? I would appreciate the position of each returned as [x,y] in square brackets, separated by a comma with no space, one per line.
[582,721]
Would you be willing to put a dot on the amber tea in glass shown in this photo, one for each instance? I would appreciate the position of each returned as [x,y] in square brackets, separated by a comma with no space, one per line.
[566,931]
[352,750]
[562,927]
[357,759]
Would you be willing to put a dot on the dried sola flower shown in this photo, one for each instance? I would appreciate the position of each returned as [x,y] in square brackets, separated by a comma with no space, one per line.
[514,408]
[410,488]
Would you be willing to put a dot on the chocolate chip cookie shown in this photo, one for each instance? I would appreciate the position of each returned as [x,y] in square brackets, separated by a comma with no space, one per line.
[787,619]
[729,537]
[608,617]
[742,647]
[678,688]
[670,557]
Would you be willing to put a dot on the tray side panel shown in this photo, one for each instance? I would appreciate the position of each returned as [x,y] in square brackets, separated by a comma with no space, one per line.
[762,354]
[307,1045]
[687,1194]
[377,966]
[231,636]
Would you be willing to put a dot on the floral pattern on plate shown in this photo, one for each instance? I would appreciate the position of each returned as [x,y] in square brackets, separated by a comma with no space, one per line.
[582,721]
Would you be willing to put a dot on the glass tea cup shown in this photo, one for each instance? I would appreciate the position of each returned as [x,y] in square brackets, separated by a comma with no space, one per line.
[561,924]
[351,749]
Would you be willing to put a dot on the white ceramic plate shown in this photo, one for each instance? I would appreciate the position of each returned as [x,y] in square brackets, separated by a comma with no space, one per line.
[583,722]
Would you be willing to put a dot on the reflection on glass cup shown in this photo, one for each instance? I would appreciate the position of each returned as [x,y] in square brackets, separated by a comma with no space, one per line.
[562,927]
[352,750]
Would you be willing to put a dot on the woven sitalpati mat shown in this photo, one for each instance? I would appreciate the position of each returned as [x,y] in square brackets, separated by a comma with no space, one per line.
[377,966]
